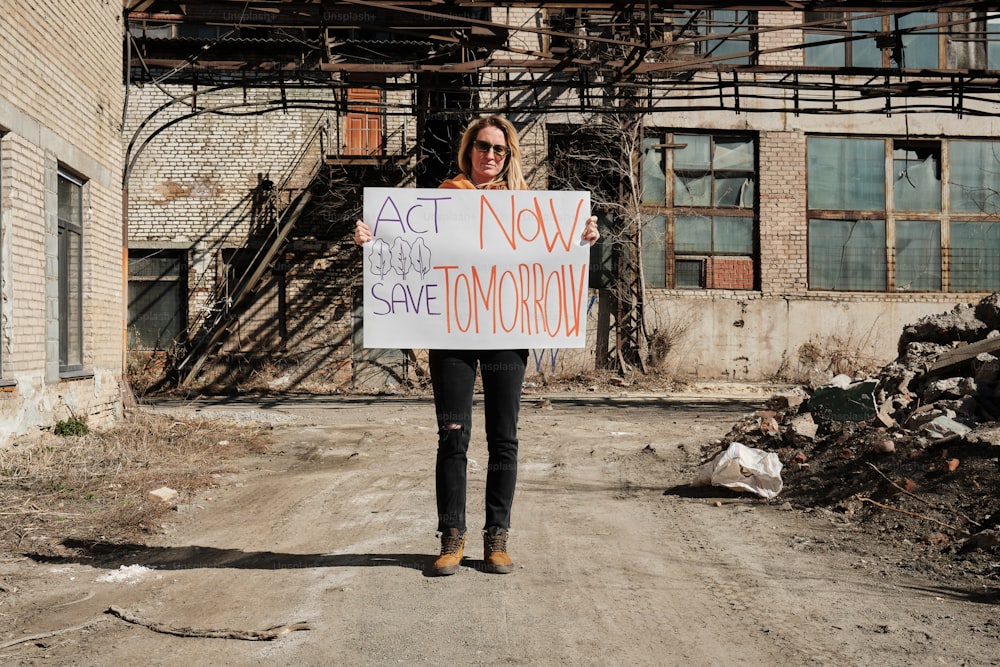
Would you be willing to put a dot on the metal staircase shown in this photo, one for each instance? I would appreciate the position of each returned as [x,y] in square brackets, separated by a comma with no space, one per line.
[227,302]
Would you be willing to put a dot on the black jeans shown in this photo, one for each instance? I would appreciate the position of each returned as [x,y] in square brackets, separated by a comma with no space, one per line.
[453,376]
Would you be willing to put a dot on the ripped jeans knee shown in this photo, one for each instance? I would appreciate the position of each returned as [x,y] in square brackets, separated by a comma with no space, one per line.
[453,441]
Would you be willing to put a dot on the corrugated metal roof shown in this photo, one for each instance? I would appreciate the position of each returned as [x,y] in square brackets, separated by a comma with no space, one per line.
[391,42]
[230,40]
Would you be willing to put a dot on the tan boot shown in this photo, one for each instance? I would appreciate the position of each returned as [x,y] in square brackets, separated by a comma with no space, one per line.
[452,550]
[495,557]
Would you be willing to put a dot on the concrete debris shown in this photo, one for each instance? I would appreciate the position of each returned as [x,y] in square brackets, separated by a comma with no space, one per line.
[790,400]
[768,423]
[803,426]
[985,435]
[885,446]
[962,355]
[988,311]
[884,417]
[986,368]
[948,365]
[942,427]
[850,438]
[949,388]
[958,324]
[163,494]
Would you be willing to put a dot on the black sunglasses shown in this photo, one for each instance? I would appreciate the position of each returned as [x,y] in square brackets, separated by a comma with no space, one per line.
[485,146]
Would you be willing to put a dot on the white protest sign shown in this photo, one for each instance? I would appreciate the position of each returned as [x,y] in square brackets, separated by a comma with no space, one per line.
[475,269]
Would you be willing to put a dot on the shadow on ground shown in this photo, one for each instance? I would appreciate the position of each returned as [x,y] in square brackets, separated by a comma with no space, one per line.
[112,556]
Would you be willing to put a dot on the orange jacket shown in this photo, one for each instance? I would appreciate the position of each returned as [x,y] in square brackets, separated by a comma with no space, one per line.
[459,182]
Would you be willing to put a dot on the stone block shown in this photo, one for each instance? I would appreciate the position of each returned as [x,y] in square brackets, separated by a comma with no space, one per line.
[803,426]
[163,494]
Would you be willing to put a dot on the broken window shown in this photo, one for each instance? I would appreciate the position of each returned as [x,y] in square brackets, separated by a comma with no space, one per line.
[157,297]
[974,193]
[916,239]
[838,39]
[918,39]
[654,174]
[847,254]
[975,177]
[918,255]
[720,35]
[699,191]
[992,38]
[916,187]
[917,175]
[845,39]
[654,248]
[973,41]
[713,172]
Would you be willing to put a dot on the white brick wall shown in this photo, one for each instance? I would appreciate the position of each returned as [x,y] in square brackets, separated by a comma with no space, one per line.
[190,183]
[60,106]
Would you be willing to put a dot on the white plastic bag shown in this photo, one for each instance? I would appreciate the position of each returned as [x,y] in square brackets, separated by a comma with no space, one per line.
[744,468]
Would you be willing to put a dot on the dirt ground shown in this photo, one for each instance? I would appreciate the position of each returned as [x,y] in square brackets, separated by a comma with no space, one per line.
[619,560]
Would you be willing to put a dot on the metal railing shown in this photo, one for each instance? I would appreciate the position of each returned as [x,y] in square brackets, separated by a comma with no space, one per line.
[268,235]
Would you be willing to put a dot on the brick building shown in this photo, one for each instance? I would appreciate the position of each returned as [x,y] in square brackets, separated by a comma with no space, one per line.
[809,181]
[61,313]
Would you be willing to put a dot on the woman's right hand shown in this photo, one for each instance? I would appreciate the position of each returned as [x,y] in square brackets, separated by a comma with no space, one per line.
[362,234]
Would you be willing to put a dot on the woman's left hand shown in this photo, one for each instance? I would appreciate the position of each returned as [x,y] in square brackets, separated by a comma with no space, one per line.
[590,233]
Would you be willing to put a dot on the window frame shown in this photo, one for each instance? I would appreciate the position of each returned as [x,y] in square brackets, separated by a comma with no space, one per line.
[901,262]
[704,22]
[661,256]
[178,279]
[849,37]
[71,302]
[973,40]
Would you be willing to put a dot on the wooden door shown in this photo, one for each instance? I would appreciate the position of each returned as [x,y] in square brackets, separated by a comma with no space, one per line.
[363,125]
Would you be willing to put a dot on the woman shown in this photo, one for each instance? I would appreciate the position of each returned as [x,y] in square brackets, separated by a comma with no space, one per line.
[489,157]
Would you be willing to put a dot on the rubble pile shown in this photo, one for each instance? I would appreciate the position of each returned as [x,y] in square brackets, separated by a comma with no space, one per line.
[913,452]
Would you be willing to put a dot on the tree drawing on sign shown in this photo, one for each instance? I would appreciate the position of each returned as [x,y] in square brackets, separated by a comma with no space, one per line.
[420,257]
[400,256]
[380,258]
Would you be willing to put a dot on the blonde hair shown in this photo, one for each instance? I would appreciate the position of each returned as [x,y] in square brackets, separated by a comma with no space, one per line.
[511,177]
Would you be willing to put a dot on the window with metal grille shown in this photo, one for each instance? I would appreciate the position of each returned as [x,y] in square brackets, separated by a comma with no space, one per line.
[927,225]
[157,298]
[70,216]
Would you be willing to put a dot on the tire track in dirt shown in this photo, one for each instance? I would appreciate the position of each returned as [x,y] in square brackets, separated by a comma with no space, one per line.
[338,529]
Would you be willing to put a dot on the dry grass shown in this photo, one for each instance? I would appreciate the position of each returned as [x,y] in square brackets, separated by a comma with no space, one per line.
[95,486]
